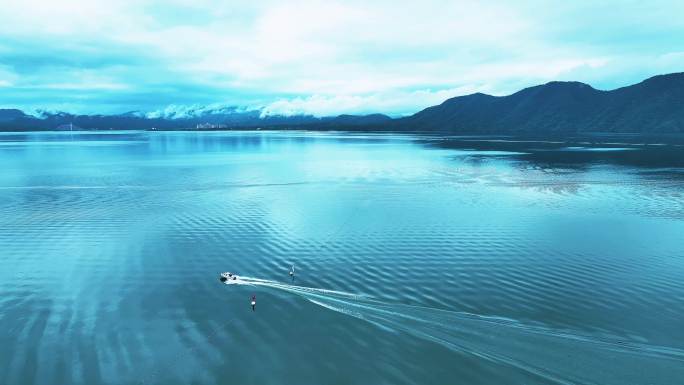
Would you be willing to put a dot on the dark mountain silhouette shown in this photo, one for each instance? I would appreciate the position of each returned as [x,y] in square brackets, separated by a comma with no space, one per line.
[655,105]
[15,120]
[360,119]
[10,114]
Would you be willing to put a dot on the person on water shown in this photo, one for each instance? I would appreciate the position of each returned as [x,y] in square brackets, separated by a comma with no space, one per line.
[253,302]
[292,273]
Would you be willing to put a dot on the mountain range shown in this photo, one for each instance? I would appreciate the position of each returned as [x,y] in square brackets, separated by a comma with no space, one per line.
[654,106]
[226,118]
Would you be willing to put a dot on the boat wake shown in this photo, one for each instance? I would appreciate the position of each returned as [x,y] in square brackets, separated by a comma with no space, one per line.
[559,356]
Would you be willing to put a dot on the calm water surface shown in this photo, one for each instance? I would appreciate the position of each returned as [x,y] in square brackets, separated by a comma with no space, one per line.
[479,261]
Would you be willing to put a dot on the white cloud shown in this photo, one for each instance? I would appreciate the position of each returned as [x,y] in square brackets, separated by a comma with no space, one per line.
[342,56]
[174,111]
[397,103]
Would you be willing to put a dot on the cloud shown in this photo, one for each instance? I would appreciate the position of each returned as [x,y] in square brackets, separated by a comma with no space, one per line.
[318,56]
[188,111]
[396,103]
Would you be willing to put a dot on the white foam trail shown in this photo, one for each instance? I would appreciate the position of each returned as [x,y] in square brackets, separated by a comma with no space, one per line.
[558,356]
[294,288]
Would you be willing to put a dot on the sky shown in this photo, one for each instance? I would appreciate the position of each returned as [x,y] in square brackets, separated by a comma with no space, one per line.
[320,57]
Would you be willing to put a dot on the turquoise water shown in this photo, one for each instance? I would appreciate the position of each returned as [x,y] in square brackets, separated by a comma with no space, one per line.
[419,260]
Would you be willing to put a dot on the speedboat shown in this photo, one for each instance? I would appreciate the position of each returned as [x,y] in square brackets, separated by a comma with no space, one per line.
[228,278]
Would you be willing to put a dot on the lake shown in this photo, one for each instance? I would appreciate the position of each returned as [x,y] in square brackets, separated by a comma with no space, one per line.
[418,259]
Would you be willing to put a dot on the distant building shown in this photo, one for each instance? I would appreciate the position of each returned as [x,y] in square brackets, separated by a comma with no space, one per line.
[68,127]
[204,126]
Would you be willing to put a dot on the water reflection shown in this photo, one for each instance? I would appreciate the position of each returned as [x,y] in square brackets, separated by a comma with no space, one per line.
[111,243]
[573,154]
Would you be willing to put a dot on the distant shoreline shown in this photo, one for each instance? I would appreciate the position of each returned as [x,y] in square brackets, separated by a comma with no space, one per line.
[649,109]
[586,138]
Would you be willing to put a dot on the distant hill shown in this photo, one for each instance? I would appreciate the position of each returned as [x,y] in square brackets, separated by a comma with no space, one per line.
[655,105]
[7,115]
[16,120]
[168,119]
[361,119]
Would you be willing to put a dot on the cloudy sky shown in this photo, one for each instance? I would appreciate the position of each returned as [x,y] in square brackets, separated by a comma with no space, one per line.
[321,57]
